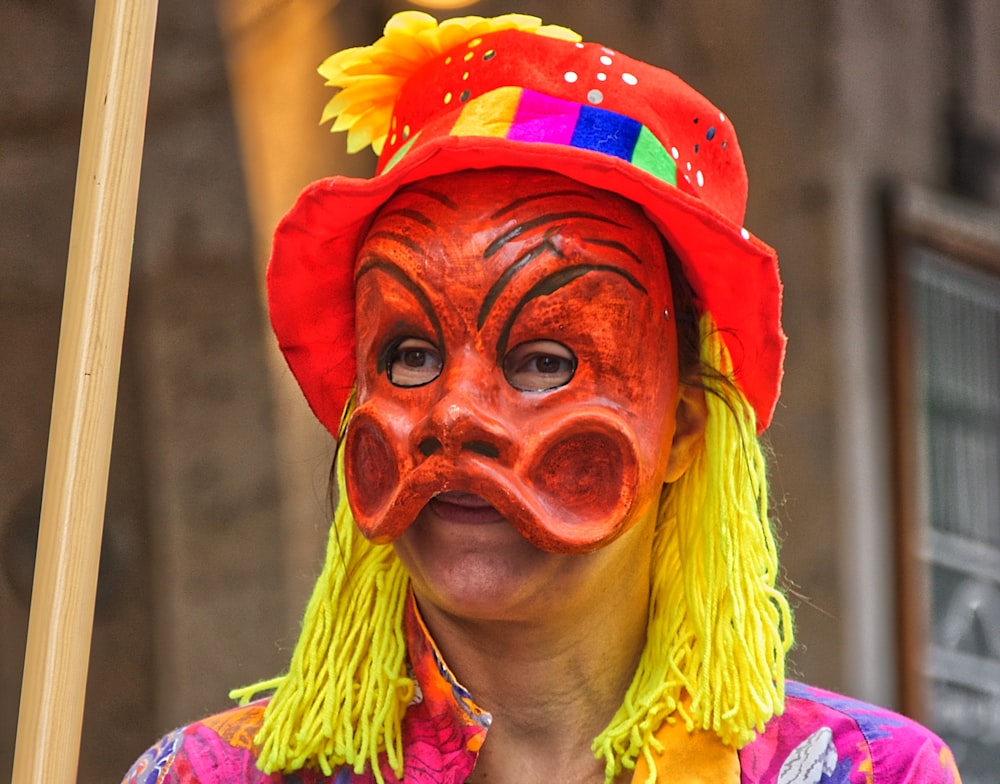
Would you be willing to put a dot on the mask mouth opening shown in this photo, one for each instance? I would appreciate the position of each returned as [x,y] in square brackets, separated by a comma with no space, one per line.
[457,506]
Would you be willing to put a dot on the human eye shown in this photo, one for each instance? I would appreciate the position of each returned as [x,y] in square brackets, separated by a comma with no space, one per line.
[412,362]
[539,365]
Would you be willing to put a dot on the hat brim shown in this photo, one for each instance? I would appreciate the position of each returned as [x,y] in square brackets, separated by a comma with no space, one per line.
[734,275]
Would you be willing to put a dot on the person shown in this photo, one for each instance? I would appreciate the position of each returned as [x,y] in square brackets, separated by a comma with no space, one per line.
[547,348]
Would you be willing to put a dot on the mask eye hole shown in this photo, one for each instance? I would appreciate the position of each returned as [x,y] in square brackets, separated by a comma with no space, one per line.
[412,362]
[539,365]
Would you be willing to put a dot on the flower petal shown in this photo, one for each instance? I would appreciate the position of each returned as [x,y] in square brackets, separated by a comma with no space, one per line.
[370,78]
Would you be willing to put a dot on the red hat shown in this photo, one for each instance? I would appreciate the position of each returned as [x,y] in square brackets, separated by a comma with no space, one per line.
[475,93]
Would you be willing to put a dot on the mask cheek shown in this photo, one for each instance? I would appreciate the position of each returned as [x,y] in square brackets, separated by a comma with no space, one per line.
[373,469]
[586,477]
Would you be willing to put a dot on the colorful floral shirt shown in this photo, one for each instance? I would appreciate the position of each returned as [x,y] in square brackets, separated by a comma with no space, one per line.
[821,738]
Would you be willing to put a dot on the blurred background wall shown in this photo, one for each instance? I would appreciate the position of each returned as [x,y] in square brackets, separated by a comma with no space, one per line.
[217,502]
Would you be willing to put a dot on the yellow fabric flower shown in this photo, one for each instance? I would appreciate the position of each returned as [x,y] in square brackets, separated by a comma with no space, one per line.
[370,78]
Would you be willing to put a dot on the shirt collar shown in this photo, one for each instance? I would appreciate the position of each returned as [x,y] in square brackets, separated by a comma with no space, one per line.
[443,728]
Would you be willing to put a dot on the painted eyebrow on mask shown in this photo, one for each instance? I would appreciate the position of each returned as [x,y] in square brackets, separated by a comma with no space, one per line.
[540,197]
[546,244]
[412,214]
[503,281]
[541,220]
[440,198]
[392,236]
[552,283]
[407,212]
[619,246]
[374,263]
[562,194]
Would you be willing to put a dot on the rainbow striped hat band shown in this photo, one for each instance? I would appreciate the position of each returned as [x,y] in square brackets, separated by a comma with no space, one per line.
[474,93]
[522,115]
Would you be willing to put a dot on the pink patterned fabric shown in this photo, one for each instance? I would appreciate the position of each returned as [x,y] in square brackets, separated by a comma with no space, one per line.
[822,738]
[830,739]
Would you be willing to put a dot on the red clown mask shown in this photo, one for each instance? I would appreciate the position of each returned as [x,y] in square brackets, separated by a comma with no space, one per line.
[514,346]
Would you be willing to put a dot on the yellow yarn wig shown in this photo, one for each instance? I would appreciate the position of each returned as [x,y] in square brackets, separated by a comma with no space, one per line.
[717,635]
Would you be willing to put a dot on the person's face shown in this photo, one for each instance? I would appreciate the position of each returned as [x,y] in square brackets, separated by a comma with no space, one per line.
[516,361]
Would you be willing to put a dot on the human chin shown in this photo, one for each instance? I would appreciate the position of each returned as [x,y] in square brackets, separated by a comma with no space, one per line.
[472,564]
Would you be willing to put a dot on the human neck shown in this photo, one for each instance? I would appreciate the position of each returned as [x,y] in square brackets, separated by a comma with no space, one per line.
[551,686]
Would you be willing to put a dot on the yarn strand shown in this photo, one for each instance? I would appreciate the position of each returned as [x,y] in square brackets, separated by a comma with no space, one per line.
[717,635]
[343,698]
[719,629]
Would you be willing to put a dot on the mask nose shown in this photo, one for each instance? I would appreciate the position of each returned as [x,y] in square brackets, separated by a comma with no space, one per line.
[465,418]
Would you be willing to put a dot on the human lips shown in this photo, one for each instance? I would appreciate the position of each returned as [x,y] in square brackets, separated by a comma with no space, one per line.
[466,508]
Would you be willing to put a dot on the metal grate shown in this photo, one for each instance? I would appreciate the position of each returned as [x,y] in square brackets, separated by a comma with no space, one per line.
[953,322]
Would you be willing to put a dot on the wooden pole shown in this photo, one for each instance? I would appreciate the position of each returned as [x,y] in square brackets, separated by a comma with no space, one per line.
[83,408]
